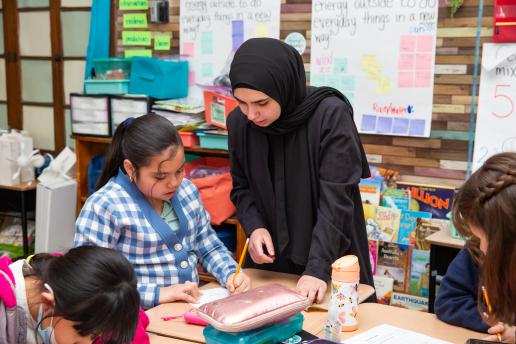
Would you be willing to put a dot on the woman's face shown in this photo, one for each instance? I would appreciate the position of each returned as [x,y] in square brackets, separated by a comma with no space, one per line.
[259,108]
[161,178]
[479,233]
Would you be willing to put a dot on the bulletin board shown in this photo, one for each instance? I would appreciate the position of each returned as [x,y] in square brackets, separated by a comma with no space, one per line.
[438,159]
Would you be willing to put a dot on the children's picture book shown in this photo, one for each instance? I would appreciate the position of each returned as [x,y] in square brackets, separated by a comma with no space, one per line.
[420,272]
[425,227]
[396,198]
[383,286]
[408,223]
[381,223]
[416,303]
[433,199]
[373,253]
[394,261]
[370,190]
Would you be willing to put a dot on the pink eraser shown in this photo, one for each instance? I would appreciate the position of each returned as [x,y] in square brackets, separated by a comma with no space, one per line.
[191,317]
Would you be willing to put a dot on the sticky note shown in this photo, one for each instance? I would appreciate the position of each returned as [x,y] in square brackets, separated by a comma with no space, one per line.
[368,123]
[423,79]
[384,125]
[138,52]
[188,49]
[417,127]
[207,43]
[347,83]
[407,44]
[317,80]
[161,42]
[135,20]
[400,126]
[333,81]
[133,4]
[423,61]
[340,65]
[207,70]
[136,38]
[405,79]
[406,61]
[425,44]
[262,30]
[383,86]
[191,78]
[237,33]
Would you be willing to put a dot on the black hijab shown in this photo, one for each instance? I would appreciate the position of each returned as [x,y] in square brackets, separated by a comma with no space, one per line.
[277,157]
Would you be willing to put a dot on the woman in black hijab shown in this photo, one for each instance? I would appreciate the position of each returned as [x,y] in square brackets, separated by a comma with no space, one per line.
[296,161]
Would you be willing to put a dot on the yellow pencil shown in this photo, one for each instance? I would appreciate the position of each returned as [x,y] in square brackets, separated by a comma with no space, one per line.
[489,308]
[242,256]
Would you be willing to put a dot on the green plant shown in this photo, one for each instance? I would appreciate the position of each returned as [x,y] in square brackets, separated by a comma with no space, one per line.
[454,6]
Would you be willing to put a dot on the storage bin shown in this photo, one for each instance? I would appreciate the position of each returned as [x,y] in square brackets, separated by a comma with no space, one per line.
[217,107]
[213,141]
[92,86]
[189,139]
[106,67]
[89,115]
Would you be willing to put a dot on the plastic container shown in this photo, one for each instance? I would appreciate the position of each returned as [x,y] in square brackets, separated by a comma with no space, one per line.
[92,86]
[270,334]
[213,141]
[343,310]
[189,139]
[217,107]
[104,68]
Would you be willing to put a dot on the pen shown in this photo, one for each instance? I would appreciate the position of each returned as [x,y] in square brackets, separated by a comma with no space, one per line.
[242,256]
[489,309]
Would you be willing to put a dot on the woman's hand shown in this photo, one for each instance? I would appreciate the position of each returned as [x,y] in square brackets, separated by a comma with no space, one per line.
[508,333]
[242,283]
[260,237]
[188,292]
[312,287]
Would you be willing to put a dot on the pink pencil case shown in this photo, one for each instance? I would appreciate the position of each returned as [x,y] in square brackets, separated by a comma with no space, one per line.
[252,309]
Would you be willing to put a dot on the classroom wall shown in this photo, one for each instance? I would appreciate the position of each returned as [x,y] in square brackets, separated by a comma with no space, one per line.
[440,159]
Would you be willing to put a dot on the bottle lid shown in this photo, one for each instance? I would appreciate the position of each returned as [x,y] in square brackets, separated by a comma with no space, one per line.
[346,268]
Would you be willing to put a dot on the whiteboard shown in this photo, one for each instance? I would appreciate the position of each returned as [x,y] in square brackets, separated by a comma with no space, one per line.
[380,54]
[496,116]
[211,30]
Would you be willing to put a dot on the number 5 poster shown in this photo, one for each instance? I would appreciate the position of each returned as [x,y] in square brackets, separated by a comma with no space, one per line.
[380,54]
[496,116]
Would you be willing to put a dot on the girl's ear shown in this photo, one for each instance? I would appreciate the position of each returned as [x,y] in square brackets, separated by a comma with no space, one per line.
[47,298]
[129,168]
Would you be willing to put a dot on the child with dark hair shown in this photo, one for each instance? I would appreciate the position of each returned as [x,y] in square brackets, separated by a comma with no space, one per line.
[88,294]
[145,209]
[485,211]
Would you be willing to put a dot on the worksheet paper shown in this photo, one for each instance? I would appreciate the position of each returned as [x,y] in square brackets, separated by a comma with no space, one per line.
[387,334]
[209,295]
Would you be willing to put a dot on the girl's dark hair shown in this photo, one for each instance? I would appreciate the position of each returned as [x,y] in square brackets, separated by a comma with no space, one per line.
[95,288]
[138,140]
[487,201]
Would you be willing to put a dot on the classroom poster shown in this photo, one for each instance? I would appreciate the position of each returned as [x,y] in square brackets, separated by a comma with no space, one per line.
[496,116]
[380,54]
[211,30]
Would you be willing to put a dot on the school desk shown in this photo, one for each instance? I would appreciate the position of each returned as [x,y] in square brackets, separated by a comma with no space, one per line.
[177,328]
[443,249]
[155,339]
[374,314]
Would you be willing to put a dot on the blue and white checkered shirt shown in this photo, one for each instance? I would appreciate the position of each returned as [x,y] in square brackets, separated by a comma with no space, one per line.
[119,217]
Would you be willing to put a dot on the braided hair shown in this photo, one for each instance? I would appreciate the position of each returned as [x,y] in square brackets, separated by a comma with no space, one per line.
[487,202]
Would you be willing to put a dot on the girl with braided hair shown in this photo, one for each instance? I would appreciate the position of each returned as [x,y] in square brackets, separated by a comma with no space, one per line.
[484,210]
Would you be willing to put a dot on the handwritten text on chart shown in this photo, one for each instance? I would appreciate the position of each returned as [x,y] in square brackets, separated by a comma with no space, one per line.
[336,17]
[203,14]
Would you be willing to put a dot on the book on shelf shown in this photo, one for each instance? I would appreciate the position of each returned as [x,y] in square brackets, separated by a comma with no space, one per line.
[425,227]
[419,272]
[373,253]
[417,303]
[382,223]
[408,225]
[394,261]
[430,198]
[383,286]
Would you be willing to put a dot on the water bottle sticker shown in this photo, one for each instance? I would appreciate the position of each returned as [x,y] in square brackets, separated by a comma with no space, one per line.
[345,300]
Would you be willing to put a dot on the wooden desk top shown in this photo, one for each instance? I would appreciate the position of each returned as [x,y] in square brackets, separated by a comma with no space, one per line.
[177,328]
[21,187]
[444,238]
[374,314]
[155,339]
